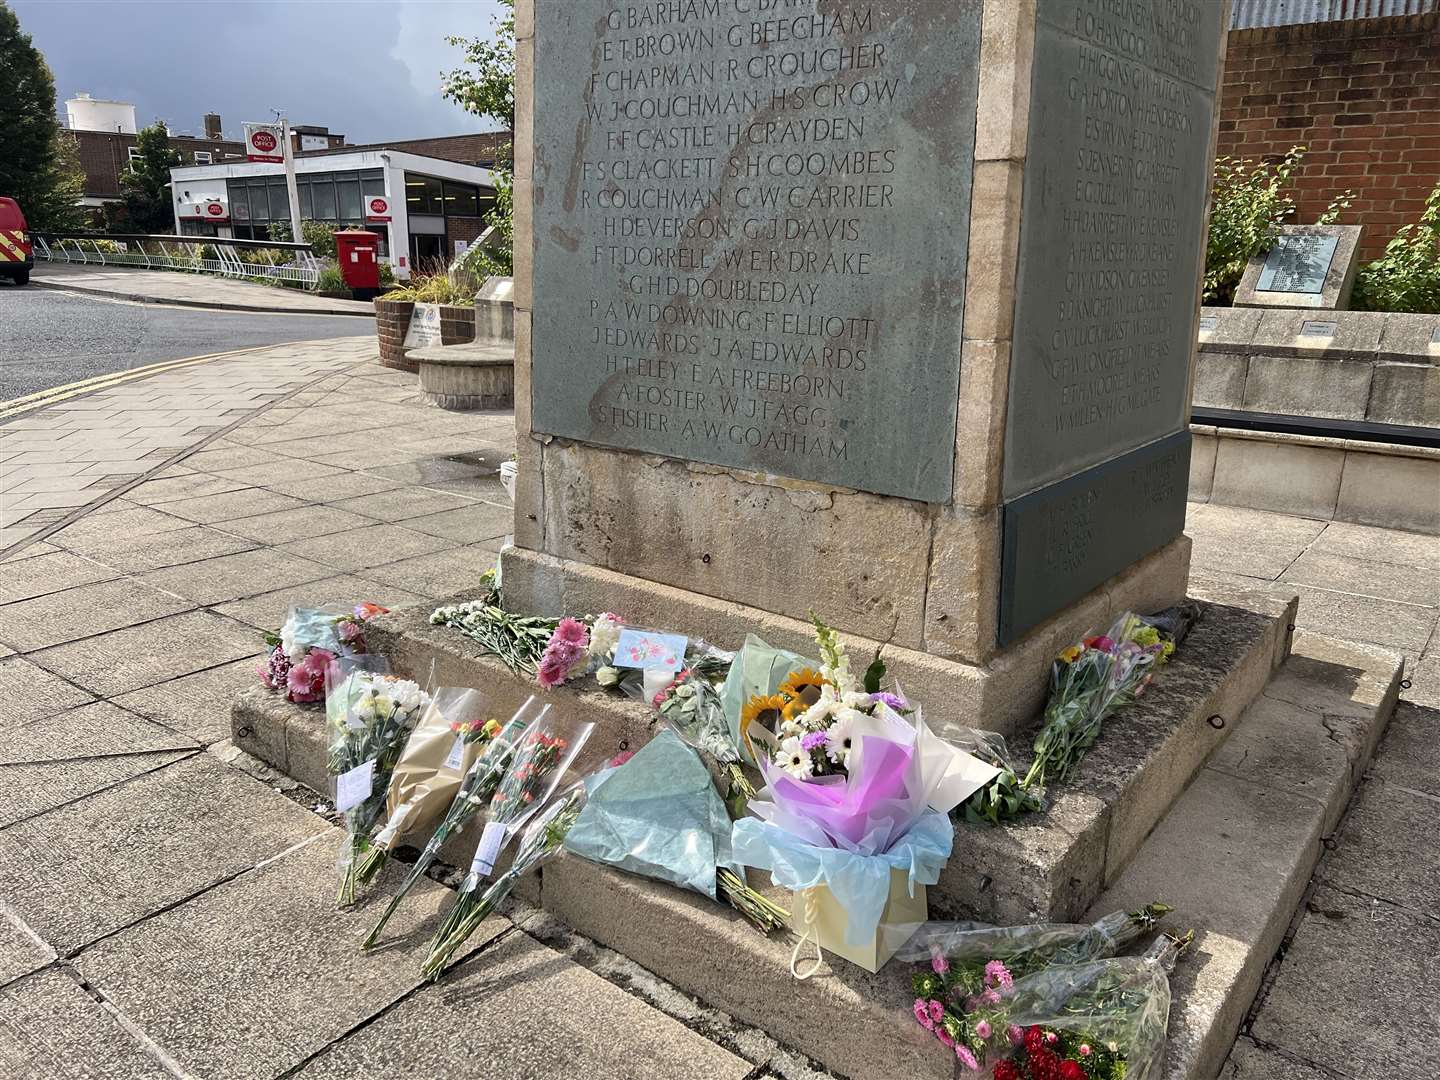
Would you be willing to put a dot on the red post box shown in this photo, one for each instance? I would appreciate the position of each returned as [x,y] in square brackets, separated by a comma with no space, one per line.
[358,253]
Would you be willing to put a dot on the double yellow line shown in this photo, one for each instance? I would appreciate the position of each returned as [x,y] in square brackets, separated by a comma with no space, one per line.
[39,400]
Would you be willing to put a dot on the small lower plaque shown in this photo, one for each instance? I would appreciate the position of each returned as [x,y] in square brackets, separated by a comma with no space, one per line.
[1311,328]
[1066,538]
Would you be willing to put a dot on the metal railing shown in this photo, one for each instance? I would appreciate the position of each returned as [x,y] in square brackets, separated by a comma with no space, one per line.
[193,254]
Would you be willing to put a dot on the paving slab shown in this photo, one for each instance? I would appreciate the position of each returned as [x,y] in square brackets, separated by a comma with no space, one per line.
[188,485]
[337,486]
[1406,627]
[83,612]
[255,976]
[90,731]
[1424,676]
[124,660]
[1380,545]
[21,952]
[268,610]
[1411,753]
[52,1027]
[248,502]
[1366,577]
[1251,1062]
[446,573]
[398,504]
[233,577]
[89,868]
[32,790]
[50,573]
[197,705]
[30,692]
[225,455]
[359,548]
[515,987]
[483,521]
[1243,541]
[1357,988]
[172,548]
[303,523]
[1386,847]
[94,533]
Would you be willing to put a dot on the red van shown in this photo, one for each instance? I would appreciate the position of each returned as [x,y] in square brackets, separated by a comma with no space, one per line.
[16,255]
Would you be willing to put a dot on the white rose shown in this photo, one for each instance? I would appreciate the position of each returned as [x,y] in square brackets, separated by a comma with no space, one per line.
[607,676]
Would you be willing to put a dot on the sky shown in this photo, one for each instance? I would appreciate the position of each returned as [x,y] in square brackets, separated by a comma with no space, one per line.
[368,69]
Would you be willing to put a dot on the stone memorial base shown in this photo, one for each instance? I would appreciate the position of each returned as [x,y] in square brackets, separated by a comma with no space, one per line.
[476,375]
[1212,793]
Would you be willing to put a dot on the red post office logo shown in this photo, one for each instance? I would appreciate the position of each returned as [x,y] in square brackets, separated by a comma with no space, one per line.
[263,141]
[379,206]
[215,209]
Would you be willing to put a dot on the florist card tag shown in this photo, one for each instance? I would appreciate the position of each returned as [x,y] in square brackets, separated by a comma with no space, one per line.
[488,850]
[456,757]
[649,649]
[354,787]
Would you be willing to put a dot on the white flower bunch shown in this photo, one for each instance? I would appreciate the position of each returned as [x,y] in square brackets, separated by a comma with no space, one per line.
[604,636]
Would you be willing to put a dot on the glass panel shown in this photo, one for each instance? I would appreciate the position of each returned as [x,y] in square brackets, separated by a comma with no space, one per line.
[307,212]
[372,174]
[461,199]
[349,192]
[279,202]
[259,207]
[324,199]
[239,203]
[423,194]
[373,185]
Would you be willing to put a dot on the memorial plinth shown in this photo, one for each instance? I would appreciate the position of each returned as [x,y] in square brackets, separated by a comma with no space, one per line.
[881,310]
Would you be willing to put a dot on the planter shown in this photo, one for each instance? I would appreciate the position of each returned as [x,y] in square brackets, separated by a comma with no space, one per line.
[392,321]
[457,324]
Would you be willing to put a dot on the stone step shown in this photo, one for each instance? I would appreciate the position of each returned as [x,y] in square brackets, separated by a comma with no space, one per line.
[1236,852]
[1051,867]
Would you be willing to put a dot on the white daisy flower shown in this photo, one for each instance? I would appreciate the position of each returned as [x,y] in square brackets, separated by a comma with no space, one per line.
[839,739]
[794,758]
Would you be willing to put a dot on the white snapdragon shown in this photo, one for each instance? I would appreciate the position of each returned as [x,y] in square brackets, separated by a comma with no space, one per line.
[604,636]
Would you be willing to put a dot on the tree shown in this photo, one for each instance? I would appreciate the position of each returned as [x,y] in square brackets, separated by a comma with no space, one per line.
[39,167]
[146,181]
[486,88]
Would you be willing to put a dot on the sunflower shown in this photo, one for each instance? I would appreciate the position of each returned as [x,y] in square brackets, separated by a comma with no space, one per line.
[764,709]
[801,689]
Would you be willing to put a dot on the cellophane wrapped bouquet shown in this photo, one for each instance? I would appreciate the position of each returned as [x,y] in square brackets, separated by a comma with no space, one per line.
[471,799]
[658,815]
[693,706]
[879,802]
[369,715]
[301,650]
[453,731]
[1100,1020]
[537,764]
[965,994]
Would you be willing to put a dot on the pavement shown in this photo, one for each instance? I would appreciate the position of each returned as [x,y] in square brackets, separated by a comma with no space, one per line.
[188,290]
[51,337]
[166,905]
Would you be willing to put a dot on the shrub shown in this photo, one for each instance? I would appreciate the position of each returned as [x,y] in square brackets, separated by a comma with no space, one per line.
[1407,276]
[457,288]
[1247,207]
[320,235]
[330,279]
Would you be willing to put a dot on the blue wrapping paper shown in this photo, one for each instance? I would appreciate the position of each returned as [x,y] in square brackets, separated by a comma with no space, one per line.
[859,883]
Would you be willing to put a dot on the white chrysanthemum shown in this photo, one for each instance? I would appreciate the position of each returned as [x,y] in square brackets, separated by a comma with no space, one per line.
[839,739]
[791,727]
[607,676]
[604,636]
[855,699]
[794,758]
[817,717]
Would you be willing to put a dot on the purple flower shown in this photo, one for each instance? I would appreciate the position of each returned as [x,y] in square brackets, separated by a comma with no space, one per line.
[895,701]
[938,963]
[983,1029]
[813,740]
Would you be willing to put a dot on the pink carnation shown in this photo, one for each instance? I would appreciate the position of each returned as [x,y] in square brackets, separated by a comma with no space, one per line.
[983,1029]
[275,670]
[553,670]
[944,1036]
[1016,1033]
[306,680]
[989,997]
[966,1057]
[922,1014]
[572,632]
[997,974]
[937,1011]
[938,963]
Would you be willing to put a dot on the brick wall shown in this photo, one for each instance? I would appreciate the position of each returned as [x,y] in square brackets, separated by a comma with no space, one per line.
[104,155]
[463,228]
[1363,95]
[482,148]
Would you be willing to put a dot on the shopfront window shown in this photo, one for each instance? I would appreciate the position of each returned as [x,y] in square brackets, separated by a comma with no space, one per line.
[348,193]
[424,194]
[461,199]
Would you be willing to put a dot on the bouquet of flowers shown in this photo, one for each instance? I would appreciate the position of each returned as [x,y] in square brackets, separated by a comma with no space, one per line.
[1088,682]
[301,650]
[476,788]
[1101,1020]
[369,716]
[537,763]
[449,737]
[517,640]
[542,839]
[694,709]
[580,645]
[963,998]
[657,814]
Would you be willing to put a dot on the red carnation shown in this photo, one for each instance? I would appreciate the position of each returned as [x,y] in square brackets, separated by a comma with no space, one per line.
[1006,1070]
[1071,1070]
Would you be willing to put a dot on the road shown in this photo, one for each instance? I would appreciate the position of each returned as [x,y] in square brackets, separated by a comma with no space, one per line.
[50,338]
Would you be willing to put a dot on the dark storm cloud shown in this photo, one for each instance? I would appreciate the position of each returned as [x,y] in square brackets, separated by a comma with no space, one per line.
[368,70]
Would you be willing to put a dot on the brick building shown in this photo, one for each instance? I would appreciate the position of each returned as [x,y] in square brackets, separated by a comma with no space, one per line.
[1358,86]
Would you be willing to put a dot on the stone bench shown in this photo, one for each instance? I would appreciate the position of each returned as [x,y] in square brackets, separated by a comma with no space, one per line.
[476,375]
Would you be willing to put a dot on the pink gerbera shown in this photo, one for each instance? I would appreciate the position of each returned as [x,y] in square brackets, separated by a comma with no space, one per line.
[306,680]
[572,632]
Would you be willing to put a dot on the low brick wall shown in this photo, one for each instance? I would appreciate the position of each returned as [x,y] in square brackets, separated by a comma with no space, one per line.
[392,321]
[457,324]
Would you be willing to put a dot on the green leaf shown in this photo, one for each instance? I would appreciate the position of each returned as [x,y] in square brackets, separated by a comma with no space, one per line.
[874,673]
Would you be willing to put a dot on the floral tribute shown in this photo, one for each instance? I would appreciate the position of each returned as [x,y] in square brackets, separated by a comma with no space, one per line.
[693,706]
[301,651]
[813,714]
[576,647]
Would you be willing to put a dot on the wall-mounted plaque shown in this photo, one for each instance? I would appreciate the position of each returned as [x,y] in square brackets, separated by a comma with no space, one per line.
[1309,266]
